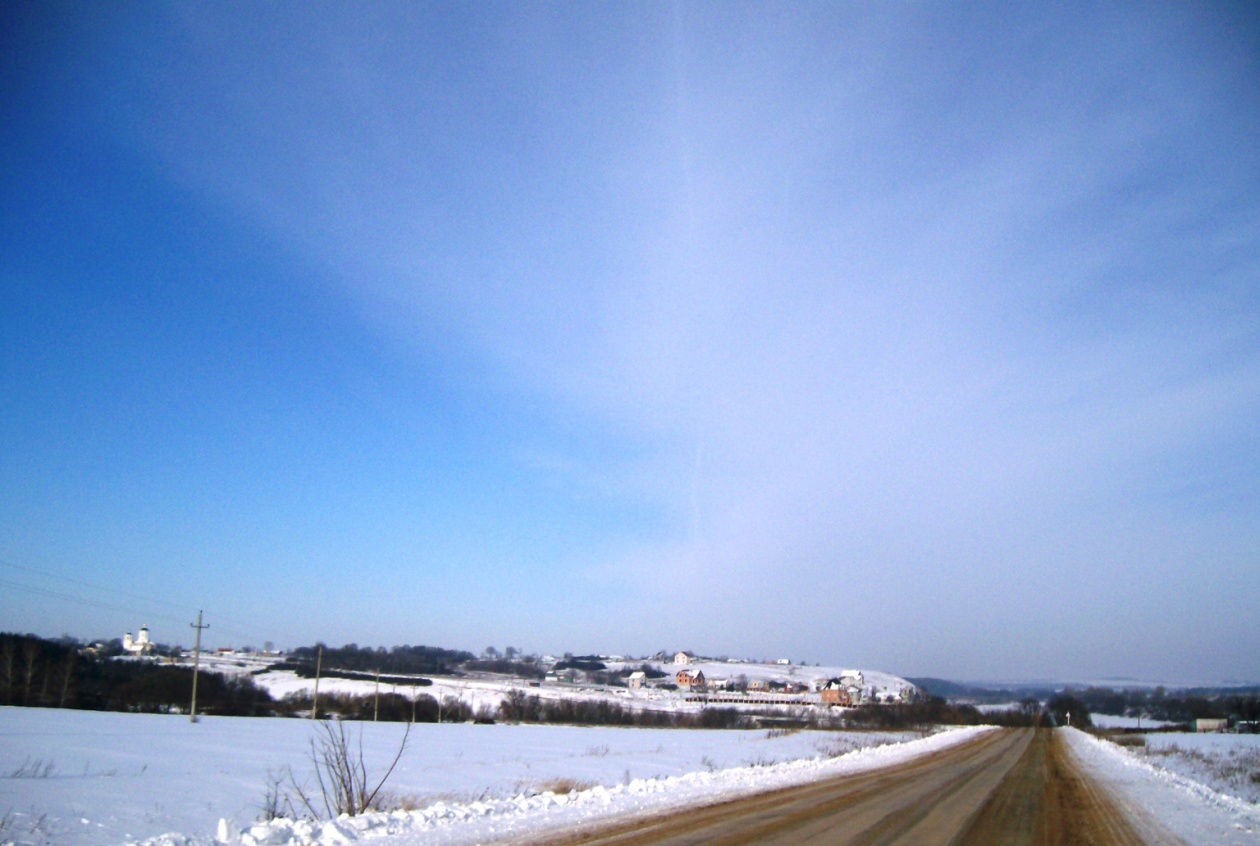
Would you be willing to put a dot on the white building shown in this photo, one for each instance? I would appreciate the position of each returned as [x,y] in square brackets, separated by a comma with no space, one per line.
[138,645]
[637,680]
[682,659]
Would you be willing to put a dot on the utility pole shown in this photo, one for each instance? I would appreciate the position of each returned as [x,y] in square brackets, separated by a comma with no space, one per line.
[192,712]
[376,701]
[319,659]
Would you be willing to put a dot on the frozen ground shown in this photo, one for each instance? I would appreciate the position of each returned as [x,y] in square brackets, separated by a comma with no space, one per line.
[1189,809]
[76,778]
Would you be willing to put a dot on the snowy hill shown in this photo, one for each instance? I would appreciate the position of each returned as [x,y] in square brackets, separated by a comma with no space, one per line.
[728,684]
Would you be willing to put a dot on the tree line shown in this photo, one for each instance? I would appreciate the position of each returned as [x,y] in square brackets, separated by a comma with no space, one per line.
[400,660]
[36,672]
[521,707]
[1182,706]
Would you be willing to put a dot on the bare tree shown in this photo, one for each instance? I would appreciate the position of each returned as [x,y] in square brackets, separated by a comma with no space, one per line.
[7,669]
[30,651]
[67,674]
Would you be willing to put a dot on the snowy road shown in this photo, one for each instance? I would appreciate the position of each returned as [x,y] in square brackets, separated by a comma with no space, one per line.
[1014,787]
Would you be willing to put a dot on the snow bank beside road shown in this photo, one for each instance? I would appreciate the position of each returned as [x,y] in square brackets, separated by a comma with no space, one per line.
[536,815]
[1190,810]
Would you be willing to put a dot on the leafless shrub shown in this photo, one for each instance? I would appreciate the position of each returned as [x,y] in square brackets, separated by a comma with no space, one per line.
[12,829]
[597,751]
[34,768]
[389,801]
[833,750]
[562,786]
[342,783]
[278,800]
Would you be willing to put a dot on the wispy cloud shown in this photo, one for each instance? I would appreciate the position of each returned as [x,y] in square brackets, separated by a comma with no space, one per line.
[895,318]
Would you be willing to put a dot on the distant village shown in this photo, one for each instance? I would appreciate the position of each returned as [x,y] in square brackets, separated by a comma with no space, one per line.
[434,684]
[681,675]
[845,690]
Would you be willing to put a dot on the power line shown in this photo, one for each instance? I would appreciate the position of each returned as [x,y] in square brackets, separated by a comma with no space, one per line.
[224,625]
[92,585]
[242,630]
[71,598]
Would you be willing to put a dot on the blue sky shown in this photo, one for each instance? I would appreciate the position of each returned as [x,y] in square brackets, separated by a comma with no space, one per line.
[923,338]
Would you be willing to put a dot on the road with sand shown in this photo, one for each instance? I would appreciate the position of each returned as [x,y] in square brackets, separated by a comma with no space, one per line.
[1014,786]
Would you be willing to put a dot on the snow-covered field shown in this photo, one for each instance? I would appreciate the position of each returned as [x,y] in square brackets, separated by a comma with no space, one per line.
[1188,808]
[1114,721]
[997,707]
[1228,763]
[77,778]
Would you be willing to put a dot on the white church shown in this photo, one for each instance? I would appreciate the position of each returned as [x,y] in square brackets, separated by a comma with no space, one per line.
[138,645]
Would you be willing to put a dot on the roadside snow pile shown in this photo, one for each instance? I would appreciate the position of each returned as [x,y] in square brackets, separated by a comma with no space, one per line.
[536,814]
[1191,810]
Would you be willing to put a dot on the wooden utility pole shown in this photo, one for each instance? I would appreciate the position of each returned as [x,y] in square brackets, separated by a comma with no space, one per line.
[192,711]
[376,702]
[319,659]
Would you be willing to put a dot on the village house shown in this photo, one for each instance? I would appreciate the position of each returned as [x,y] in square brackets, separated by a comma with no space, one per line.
[683,658]
[845,691]
[637,680]
[688,679]
[837,696]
